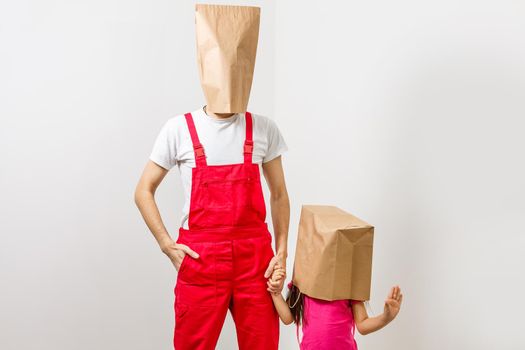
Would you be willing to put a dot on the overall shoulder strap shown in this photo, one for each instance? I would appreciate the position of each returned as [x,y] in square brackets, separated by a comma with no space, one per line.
[200,156]
[248,142]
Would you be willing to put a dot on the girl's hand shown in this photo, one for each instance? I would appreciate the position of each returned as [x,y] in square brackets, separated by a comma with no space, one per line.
[276,281]
[278,273]
[392,304]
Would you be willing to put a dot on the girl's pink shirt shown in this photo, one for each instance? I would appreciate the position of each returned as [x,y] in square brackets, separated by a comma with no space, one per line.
[328,325]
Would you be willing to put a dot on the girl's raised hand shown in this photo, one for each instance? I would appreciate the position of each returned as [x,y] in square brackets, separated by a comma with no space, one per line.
[393,303]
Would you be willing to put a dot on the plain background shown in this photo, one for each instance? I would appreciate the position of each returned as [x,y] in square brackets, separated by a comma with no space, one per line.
[408,114]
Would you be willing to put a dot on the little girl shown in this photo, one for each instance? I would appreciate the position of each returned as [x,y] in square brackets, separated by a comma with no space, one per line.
[328,325]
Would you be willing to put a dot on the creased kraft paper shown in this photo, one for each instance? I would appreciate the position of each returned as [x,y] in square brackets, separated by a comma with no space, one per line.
[333,259]
[227,39]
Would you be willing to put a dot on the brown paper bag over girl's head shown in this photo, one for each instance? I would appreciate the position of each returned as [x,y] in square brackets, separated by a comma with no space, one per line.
[226,47]
[333,256]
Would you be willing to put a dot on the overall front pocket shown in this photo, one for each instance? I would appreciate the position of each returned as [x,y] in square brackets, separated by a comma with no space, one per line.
[228,193]
[197,278]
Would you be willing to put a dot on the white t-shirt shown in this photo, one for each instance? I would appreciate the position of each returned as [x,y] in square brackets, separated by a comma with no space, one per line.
[223,142]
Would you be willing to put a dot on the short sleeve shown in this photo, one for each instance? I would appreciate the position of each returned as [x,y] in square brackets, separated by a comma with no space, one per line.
[164,152]
[276,143]
[353,302]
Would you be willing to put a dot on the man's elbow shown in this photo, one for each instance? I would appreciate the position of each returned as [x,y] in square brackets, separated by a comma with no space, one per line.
[137,197]
[140,195]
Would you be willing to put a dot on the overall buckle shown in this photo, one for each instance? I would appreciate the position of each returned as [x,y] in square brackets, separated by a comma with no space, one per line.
[199,151]
[248,146]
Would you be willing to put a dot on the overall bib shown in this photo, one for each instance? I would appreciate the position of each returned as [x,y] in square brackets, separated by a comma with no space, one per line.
[227,229]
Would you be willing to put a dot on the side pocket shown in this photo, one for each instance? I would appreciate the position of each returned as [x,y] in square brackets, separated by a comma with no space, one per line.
[196,282]
[183,264]
[186,261]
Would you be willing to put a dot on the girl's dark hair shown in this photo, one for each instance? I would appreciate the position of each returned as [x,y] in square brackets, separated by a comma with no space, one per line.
[295,301]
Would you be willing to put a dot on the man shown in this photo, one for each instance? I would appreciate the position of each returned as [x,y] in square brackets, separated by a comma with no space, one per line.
[223,252]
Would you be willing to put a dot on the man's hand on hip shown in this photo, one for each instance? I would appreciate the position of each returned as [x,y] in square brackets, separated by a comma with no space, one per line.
[177,252]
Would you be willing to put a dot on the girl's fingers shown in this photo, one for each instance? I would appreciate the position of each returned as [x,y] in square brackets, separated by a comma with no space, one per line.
[277,276]
[394,292]
[400,299]
[392,302]
[275,284]
[274,278]
[272,285]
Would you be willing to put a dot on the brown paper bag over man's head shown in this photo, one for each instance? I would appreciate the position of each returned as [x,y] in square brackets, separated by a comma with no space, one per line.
[333,256]
[226,47]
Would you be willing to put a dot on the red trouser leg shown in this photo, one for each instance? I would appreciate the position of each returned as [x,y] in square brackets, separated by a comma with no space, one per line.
[202,297]
[254,314]
[228,273]
[198,328]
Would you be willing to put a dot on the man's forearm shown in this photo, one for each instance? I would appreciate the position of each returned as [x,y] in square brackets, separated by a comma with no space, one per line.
[148,208]
[280,208]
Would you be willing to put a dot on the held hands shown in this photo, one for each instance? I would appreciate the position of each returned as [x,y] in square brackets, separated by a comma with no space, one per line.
[392,304]
[177,252]
[275,286]
[276,281]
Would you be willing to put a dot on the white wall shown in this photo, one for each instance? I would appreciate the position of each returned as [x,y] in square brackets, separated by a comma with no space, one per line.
[410,115]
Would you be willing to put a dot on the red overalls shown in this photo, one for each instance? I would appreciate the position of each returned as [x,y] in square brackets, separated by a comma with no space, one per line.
[227,229]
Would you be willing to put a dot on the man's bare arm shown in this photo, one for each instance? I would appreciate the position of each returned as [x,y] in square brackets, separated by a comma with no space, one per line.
[280,209]
[151,178]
